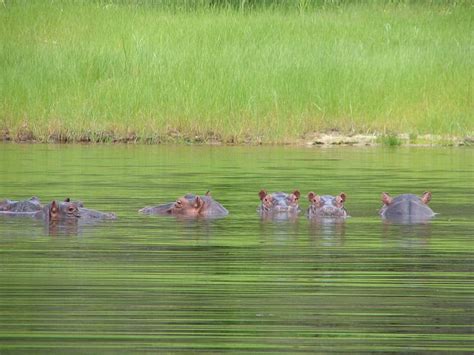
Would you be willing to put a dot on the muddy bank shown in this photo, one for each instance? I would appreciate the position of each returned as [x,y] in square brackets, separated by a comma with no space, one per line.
[336,139]
[317,139]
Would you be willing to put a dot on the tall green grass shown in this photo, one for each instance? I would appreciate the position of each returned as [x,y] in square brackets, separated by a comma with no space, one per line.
[233,71]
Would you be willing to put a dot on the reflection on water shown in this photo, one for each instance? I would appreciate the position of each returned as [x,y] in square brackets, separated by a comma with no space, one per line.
[328,231]
[407,220]
[68,227]
[243,283]
[420,231]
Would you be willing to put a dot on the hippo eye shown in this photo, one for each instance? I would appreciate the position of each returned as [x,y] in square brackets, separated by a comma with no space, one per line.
[71,209]
[178,203]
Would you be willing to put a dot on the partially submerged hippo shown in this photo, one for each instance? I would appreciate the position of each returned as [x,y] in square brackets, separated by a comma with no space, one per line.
[327,206]
[52,211]
[72,210]
[190,206]
[29,206]
[406,208]
[279,202]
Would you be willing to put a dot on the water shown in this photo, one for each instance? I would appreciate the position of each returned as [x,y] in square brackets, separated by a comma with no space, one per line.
[236,284]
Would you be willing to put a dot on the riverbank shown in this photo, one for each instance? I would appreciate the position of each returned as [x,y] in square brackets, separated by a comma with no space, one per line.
[314,139]
[96,72]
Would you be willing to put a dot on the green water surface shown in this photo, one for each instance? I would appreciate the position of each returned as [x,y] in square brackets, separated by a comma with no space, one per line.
[160,284]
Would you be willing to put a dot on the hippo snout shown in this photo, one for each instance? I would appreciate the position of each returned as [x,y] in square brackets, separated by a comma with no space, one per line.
[331,211]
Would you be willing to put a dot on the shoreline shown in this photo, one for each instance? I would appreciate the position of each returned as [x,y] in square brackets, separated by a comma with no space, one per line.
[316,139]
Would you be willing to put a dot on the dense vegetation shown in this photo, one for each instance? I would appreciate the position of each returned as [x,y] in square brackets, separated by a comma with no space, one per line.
[233,71]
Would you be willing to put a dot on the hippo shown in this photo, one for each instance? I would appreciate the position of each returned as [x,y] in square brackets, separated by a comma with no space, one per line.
[68,217]
[53,211]
[279,202]
[57,211]
[190,205]
[327,206]
[25,207]
[406,208]
[68,209]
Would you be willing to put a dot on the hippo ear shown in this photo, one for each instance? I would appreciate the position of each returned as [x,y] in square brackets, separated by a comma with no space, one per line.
[67,199]
[297,194]
[262,194]
[341,198]
[314,199]
[426,197]
[53,210]
[386,198]
[208,193]
[198,203]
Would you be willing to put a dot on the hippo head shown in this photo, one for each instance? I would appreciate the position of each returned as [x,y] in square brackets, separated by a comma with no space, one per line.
[63,210]
[387,200]
[327,206]
[406,208]
[267,201]
[292,200]
[279,201]
[188,205]
[87,213]
[26,206]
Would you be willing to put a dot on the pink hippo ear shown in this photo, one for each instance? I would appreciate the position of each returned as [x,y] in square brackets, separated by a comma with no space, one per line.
[53,210]
[262,194]
[314,199]
[297,194]
[340,199]
[426,197]
[386,198]
[198,203]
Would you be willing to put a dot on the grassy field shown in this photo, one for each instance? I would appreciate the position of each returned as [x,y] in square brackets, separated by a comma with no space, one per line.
[187,71]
